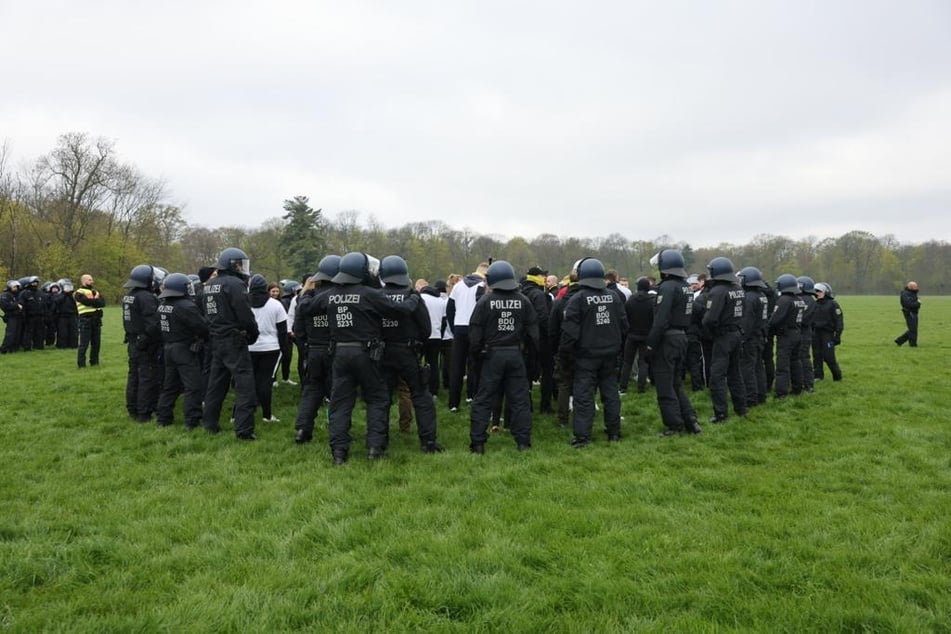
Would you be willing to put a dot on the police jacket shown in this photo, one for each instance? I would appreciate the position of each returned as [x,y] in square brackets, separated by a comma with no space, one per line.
[557,315]
[787,316]
[640,315]
[695,328]
[414,327]
[308,319]
[64,305]
[541,302]
[30,302]
[673,307]
[828,317]
[724,309]
[755,313]
[502,319]
[356,312]
[593,324]
[9,304]
[181,321]
[909,301]
[140,318]
[227,307]
[809,313]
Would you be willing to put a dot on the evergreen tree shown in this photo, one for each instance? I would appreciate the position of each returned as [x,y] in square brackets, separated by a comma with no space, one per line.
[302,240]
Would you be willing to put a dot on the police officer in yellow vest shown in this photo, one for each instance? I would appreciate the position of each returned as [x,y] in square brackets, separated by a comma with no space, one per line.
[89,303]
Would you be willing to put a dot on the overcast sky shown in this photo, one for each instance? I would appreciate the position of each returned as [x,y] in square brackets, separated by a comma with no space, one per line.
[709,121]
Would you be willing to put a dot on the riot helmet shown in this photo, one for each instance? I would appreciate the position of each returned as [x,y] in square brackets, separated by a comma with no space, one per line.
[751,276]
[721,269]
[825,288]
[591,273]
[328,267]
[788,284]
[671,262]
[13,285]
[290,287]
[501,276]
[66,285]
[139,277]
[806,284]
[357,268]
[176,285]
[393,270]
[234,259]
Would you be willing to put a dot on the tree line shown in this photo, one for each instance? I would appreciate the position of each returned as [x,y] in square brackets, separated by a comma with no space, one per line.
[80,208]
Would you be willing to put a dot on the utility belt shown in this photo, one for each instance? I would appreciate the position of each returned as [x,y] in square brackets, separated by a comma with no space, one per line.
[95,315]
[504,347]
[375,347]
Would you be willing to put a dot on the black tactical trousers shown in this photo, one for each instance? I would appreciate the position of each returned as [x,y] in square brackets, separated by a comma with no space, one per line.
[593,375]
[805,358]
[823,353]
[788,367]
[90,335]
[911,334]
[182,374]
[11,338]
[753,371]
[503,370]
[401,362]
[668,369]
[725,373]
[230,359]
[315,387]
[352,368]
[144,381]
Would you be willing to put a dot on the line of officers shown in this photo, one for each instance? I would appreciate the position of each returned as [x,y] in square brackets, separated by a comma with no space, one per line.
[38,316]
[364,327]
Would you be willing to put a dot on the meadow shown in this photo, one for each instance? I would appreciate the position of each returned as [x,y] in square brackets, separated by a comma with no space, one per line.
[826,512]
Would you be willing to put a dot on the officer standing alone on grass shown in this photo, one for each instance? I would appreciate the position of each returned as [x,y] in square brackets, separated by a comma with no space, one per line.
[828,326]
[591,334]
[183,330]
[501,322]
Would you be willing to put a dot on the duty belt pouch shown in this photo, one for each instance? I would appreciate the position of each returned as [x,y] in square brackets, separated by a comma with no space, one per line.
[376,350]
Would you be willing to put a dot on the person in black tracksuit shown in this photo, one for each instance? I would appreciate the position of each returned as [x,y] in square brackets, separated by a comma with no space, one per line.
[910,305]
[699,346]
[313,325]
[591,335]
[231,328]
[639,309]
[289,291]
[667,345]
[784,324]
[502,321]
[140,320]
[183,329]
[807,295]
[564,367]
[13,316]
[542,366]
[755,318]
[356,312]
[403,338]
[827,332]
[723,321]
[463,369]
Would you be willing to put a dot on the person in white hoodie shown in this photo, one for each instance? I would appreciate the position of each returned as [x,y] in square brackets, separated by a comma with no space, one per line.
[435,300]
[462,301]
[271,317]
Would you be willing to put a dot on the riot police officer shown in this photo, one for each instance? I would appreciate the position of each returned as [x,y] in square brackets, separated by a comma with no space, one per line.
[591,334]
[356,308]
[232,328]
[33,333]
[564,366]
[722,323]
[501,322]
[183,330]
[667,344]
[784,324]
[828,326]
[807,288]
[755,317]
[313,324]
[12,315]
[140,320]
[403,338]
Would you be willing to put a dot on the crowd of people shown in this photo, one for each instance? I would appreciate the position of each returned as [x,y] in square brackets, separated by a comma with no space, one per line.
[360,326]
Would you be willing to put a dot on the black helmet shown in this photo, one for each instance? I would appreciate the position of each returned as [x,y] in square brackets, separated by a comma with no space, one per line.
[357,268]
[328,267]
[671,262]
[176,285]
[139,277]
[787,283]
[501,276]
[233,259]
[751,276]
[806,284]
[721,269]
[393,270]
[11,284]
[290,287]
[591,273]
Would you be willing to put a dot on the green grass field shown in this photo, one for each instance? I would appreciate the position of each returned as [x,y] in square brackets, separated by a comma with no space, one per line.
[827,512]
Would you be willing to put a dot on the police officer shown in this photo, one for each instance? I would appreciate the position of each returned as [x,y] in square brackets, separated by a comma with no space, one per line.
[667,344]
[699,344]
[140,320]
[591,334]
[356,308]
[12,316]
[564,366]
[784,324]
[722,324]
[89,305]
[33,334]
[827,332]
[289,291]
[403,338]
[639,309]
[183,329]
[313,325]
[232,328]
[67,333]
[501,322]
[807,288]
[755,318]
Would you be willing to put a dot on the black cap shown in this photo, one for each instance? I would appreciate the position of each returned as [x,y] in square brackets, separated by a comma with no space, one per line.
[205,272]
[440,286]
[537,270]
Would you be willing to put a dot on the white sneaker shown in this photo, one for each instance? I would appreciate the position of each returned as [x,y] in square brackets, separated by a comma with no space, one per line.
[291,382]
[275,384]
[272,419]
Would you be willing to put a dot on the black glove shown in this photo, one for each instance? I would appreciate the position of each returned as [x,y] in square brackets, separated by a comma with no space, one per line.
[837,339]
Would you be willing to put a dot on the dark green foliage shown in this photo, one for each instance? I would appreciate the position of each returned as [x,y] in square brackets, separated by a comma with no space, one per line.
[302,239]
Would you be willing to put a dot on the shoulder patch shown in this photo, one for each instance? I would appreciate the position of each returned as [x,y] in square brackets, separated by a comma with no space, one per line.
[659,299]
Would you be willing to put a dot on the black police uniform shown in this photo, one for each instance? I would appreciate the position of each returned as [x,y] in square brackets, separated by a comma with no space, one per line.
[403,338]
[232,328]
[755,317]
[769,346]
[500,323]
[140,320]
[591,333]
[722,323]
[699,344]
[805,341]
[639,309]
[89,305]
[356,315]
[667,350]
[67,317]
[784,325]
[13,316]
[909,309]
[564,367]
[183,329]
[313,325]
[827,325]
[33,334]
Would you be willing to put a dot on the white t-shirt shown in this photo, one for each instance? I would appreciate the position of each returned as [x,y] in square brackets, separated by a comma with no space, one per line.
[437,312]
[268,317]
